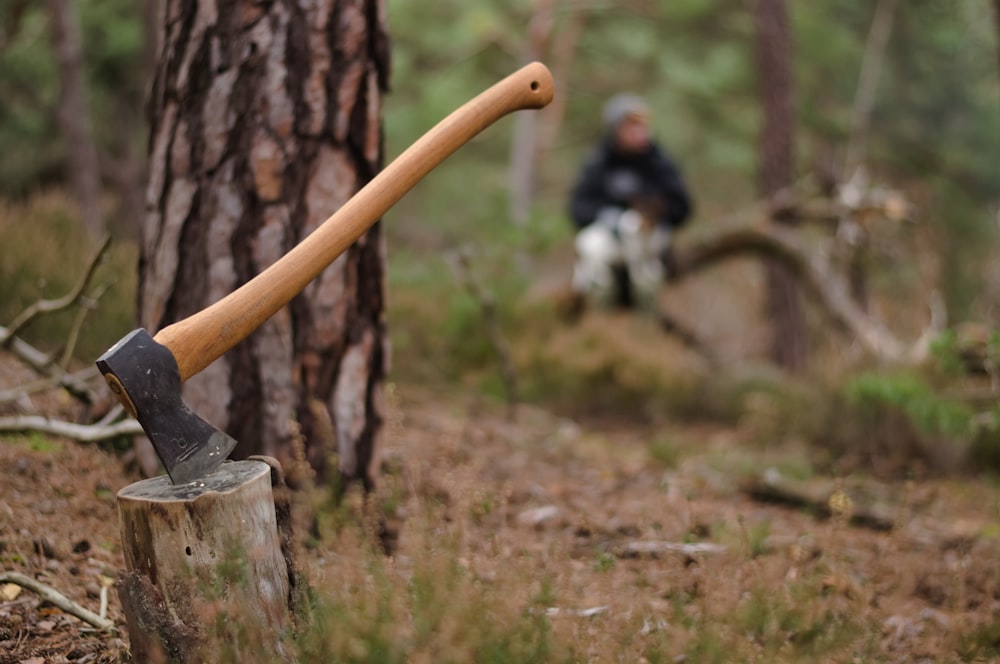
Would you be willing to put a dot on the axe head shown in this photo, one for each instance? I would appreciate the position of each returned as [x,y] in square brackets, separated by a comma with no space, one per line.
[144,376]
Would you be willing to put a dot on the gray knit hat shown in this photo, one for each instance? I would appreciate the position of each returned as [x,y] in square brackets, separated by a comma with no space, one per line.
[622,106]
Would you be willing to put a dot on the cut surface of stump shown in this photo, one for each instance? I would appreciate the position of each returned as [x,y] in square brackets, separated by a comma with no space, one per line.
[204,565]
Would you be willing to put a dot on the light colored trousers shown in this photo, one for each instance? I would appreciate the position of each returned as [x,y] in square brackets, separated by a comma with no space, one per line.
[620,238]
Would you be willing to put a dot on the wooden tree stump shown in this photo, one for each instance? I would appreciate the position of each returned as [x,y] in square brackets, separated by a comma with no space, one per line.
[206,575]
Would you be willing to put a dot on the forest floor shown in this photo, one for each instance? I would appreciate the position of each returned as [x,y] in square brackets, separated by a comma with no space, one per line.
[644,550]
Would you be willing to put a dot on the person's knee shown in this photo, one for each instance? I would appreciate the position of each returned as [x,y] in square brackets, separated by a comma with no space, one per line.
[598,245]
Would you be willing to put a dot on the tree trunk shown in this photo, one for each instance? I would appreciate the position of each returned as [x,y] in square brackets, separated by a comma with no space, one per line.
[562,56]
[524,152]
[776,171]
[996,18]
[266,118]
[868,79]
[855,234]
[73,116]
[535,133]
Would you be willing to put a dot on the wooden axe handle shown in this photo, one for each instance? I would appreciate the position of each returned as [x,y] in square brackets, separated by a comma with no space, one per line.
[200,339]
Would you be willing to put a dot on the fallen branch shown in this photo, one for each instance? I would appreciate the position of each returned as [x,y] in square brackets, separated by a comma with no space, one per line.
[75,383]
[65,302]
[553,611]
[87,304]
[45,364]
[655,548]
[57,599]
[815,500]
[783,244]
[84,433]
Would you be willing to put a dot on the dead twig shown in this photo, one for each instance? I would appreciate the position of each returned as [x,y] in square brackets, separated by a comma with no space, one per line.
[47,365]
[84,433]
[58,304]
[57,599]
[75,383]
[87,304]
[655,548]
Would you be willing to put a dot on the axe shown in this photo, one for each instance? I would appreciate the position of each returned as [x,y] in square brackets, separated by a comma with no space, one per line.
[146,372]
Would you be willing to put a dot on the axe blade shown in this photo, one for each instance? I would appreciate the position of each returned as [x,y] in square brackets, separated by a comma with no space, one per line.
[145,376]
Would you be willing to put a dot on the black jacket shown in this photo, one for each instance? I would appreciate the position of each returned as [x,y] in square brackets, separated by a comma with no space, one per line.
[649,181]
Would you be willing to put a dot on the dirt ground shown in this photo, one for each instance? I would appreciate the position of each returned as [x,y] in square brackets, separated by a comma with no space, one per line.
[589,504]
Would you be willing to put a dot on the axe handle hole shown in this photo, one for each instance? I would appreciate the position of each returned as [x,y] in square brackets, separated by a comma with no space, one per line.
[187,550]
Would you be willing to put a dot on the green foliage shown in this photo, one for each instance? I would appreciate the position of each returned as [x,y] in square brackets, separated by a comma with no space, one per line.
[933,414]
[664,450]
[34,441]
[443,613]
[604,562]
[982,642]
[232,570]
[984,452]
[113,42]
[790,623]
[901,424]
[28,95]
[693,60]
[946,353]
[755,537]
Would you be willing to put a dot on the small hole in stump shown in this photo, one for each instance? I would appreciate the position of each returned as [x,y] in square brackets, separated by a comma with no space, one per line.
[187,550]
[534,85]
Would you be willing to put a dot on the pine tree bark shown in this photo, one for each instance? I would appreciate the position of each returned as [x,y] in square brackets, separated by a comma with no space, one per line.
[266,118]
[776,171]
[73,116]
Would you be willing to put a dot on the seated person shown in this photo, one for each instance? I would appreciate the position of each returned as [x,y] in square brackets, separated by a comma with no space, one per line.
[627,200]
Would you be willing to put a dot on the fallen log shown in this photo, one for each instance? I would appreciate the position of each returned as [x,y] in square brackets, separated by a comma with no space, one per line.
[824,501]
[58,600]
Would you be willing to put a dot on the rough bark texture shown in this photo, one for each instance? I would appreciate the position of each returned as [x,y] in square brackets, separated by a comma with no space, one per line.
[265,118]
[204,563]
[774,66]
[74,123]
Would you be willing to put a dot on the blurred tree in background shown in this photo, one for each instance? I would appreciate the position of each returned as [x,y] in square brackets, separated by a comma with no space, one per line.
[933,129]
[776,173]
[36,58]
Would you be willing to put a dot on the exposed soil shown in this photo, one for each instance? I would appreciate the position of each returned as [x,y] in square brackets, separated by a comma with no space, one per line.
[591,506]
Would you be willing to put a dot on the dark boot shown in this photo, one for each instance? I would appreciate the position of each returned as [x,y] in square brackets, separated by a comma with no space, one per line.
[623,297]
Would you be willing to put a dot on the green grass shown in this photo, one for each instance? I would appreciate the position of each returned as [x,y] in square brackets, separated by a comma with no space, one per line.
[439,610]
[34,441]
